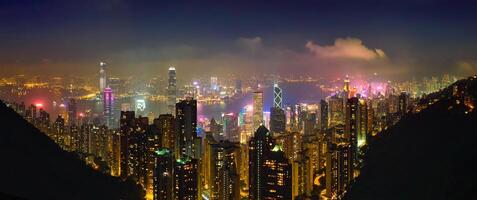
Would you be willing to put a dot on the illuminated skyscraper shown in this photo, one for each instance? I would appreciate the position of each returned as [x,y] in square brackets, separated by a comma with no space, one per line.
[352,123]
[277,179]
[335,110]
[259,146]
[277,121]
[71,112]
[362,123]
[238,86]
[346,87]
[186,116]
[339,169]
[277,96]
[127,122]
[186,179]
[167,128]
[172,89]
[221,174]
[214,86]
[102,76]
[323,118]
[164,175]
[108,105]
[403,103]
[257,109]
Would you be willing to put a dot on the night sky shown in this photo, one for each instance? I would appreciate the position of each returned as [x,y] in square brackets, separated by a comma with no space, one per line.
[392,38]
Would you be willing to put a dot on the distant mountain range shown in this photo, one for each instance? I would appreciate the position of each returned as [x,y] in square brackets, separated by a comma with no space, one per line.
[33,167]
[427,155]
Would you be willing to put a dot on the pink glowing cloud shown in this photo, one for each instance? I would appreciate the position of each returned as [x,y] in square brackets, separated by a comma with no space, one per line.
[351,48]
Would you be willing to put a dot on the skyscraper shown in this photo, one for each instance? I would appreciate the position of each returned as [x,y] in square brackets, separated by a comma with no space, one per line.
[186,179]
[277,96]
[167,127]
[346,87]
[336,110]
[352,123]
[164,175]
[71,112]
[238,86]
[259,146]
[277,180]
[339,169]
[257,109]
[186,116]
[171,89]
[127,123]
[102,76]
[277,121]
[214,86]
[323,119]
[108,105]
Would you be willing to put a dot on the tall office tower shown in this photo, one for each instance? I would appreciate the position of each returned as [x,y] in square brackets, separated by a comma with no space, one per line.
[220,169]
[167,127]
[352,124]
[277,96]
[393,104]
[71,112]
[102,76]
[230,127]
[152,142]
[115,153]
[164,175]
[127,123]
[260,146]
[30,114]
[309,123]
[277,121]
[290,117]
[257,109]
[277,179]
[171,89]
[186,179]
[336,110]
[246,123]
[238,86]
[362,123]
[339,169]
[346,88]
[214,86]
[323,119]
[137,150]
[186,116]
[229,178]
[108,106]
[403,103]
[59,129]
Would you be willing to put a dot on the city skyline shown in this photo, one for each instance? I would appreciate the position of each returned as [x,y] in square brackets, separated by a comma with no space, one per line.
[302,100]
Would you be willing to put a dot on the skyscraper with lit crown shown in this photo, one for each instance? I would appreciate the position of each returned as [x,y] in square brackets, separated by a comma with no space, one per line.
[171,89]
[257,109]
[102,76]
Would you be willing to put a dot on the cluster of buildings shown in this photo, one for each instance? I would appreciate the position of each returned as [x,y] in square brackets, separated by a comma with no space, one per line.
[302,151]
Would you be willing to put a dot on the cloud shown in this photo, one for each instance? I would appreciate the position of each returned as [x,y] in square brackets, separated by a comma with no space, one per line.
[466,68]
[345,48]
[253,44]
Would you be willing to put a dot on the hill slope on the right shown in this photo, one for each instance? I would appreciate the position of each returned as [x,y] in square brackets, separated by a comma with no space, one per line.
[427,155]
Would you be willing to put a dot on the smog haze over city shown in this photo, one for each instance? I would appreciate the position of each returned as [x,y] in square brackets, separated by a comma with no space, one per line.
[318,37]
[238,100]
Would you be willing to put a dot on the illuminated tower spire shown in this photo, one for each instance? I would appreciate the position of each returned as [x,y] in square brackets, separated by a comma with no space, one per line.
[277,96]
[346,84]
[172,89]
[102,76]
